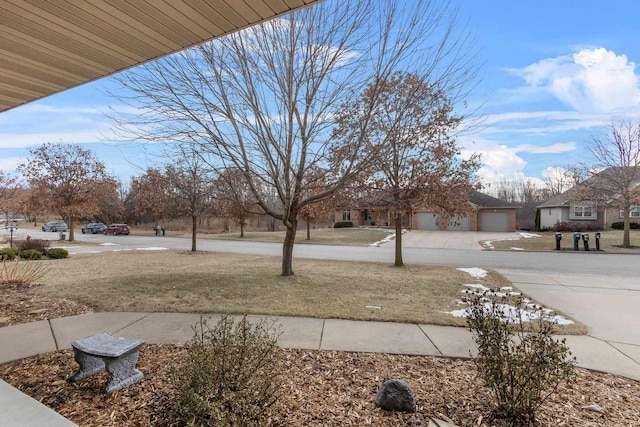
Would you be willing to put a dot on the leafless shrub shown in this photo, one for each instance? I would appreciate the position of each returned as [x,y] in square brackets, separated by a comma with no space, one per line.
[20,272]
[518,358]
[233,377]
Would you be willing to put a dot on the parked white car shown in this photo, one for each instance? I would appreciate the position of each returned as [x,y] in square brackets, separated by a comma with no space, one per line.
[54,226]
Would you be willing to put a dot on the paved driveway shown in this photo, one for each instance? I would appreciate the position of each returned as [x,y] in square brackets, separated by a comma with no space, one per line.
[469,240]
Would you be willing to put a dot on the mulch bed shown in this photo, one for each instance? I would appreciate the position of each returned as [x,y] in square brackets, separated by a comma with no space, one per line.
[322,388]
[18,305]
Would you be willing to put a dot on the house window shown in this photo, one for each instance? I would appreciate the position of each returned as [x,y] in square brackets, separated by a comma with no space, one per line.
[582,211]
[634,212]
[346,215]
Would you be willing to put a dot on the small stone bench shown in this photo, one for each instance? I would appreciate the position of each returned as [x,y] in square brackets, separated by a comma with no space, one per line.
[116,355]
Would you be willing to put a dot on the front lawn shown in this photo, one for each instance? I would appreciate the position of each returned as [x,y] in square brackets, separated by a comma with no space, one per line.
[610,242]
[173,281]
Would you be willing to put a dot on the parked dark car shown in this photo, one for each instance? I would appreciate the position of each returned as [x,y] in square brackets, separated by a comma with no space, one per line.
[93,228]
[54,226]
[116,229]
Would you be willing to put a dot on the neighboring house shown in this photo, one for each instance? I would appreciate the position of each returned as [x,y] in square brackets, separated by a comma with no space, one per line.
[488,214]
[572,207]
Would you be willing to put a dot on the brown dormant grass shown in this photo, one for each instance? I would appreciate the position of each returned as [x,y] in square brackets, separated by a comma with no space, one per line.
[327,236]
[173,281]
[610,242]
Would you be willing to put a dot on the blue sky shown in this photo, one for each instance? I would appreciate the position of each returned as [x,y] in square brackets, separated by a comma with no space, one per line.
[554,74]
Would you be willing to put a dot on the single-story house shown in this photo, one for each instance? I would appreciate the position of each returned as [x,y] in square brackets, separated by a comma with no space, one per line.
[575,206]
[488,214]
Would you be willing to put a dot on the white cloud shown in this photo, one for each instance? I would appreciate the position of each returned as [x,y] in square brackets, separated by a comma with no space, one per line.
[8,140]
[499,162]
[561,147]
[10,164]
[591,80]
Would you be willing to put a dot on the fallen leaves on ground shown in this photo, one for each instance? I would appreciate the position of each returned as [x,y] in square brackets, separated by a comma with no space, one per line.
[18,305]
[323,388]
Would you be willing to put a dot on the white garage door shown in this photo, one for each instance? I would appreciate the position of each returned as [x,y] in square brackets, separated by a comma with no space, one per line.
[495,221]
[429,221]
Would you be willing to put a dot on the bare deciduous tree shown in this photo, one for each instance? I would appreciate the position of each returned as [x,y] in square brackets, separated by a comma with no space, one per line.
[191,183]
[617,155]
[559,180]
[234,198]
[417,160]
[67,180]
[263,100]
[8,191]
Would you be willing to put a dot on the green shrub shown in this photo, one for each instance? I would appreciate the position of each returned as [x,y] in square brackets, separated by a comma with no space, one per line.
[233,377]
[40,245]
[31,254]
[8,253]
[619,225]
[343,224]
[57,253]
[518,360]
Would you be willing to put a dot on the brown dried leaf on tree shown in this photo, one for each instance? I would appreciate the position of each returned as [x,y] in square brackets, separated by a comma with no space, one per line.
[67,180]
[417,159]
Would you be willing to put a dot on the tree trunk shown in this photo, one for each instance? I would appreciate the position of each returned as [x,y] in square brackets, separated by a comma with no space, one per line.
[241,228]
[308,230]
[194,228]
[287,248]
[626,239]
[71,229]
[399,262]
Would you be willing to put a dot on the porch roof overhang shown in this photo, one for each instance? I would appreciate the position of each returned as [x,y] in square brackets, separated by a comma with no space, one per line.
[47,46]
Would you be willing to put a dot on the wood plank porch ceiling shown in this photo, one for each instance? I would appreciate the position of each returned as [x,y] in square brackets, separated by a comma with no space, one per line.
[47,46]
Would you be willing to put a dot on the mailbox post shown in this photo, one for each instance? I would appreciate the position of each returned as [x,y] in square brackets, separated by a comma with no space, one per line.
[558,239]
[585,239]
[597,241]
[576,241]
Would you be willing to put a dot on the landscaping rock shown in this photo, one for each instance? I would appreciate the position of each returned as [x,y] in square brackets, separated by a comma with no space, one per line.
[5,321]
[396,395]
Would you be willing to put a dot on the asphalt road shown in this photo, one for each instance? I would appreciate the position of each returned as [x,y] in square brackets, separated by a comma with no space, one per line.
[578,263]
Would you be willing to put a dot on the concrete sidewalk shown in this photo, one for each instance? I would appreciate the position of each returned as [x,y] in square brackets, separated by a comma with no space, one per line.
[29,339]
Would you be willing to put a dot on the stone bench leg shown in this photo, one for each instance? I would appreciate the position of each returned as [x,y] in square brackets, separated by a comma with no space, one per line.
[122,370]
[89,365]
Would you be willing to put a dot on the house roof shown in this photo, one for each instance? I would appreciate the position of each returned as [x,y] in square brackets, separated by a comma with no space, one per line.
[596,181]
[485,201]
[49,46]
[476,198]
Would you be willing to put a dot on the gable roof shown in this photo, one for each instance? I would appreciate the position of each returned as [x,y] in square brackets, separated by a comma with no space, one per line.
[485,201]
[595,181]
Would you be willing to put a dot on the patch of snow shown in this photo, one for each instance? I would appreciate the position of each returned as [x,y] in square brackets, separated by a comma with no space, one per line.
[387,239]
[108,244]
[488,244]
[517,249]
[478,273]
[528,235]
[373,307]
[512,314]
[152,249]
[506,288]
